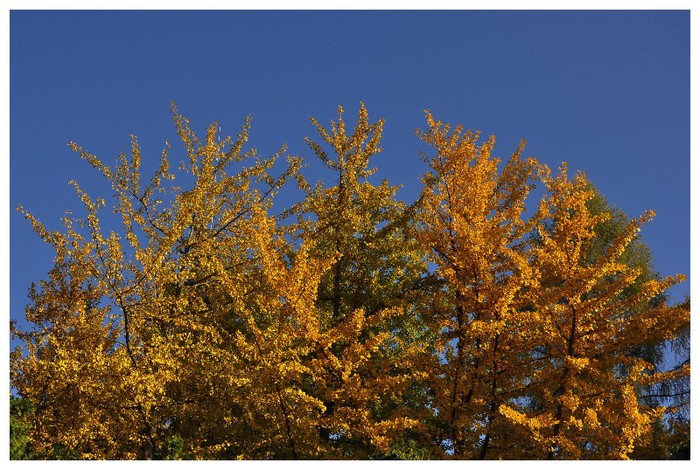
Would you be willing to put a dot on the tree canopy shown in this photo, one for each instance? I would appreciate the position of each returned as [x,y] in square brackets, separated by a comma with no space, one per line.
[197,320]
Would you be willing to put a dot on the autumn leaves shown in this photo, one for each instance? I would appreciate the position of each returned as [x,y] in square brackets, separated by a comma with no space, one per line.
[352,325]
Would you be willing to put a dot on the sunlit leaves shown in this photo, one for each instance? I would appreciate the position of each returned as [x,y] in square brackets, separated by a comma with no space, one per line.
[200,321]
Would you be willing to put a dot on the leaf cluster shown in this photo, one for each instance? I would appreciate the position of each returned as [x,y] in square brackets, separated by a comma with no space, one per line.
[199,324]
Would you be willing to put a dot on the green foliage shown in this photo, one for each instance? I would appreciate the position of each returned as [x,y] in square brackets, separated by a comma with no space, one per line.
[61,452]
[172,449]
[20,408]
[409,449]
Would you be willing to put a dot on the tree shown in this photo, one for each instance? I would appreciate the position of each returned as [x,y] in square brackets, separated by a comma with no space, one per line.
[473,223]
[203,307]
[588,331]
[376,263]
[151,312]
[670,437]
[203,323]
[544,320]
[20,408]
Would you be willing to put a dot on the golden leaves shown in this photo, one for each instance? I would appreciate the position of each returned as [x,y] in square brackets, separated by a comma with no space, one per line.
[517,302]
[206,320]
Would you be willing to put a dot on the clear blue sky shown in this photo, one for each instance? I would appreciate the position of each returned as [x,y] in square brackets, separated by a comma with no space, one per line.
[609,92]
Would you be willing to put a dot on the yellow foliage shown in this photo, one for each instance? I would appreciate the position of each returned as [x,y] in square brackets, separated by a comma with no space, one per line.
[460,326]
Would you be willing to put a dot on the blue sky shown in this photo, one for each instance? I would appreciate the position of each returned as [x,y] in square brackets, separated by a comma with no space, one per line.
[608,92]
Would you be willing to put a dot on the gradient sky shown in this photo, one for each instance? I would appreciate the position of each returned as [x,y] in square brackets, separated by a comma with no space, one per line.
[608,92]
